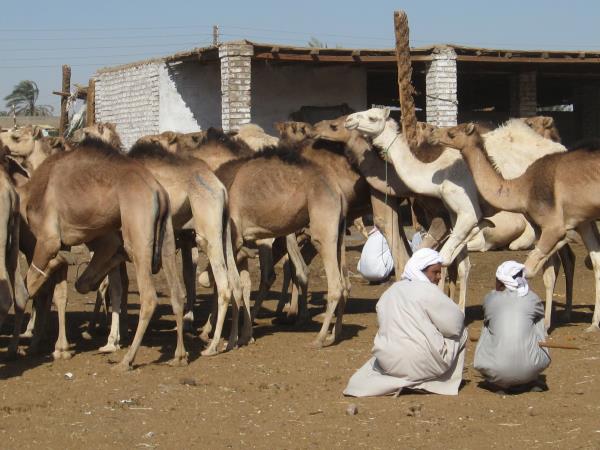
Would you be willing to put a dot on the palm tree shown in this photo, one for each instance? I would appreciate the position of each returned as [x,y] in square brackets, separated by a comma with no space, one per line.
[23,98]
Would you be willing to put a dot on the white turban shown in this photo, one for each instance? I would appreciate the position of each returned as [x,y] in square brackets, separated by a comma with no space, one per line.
[507,272]
[420,260]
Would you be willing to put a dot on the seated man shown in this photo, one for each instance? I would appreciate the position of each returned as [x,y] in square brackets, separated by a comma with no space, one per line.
[508,352]
[421,338]
[376,262]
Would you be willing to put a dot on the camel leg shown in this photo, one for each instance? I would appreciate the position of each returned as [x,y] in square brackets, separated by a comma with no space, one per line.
[28,333]
[325,236]
[210,235]
[467,216]
[20,303]
[235,282]
[211,320]
[385,217]
[189,279]
[336,332]
[593,246]
[177,291]
[463,271]
[61,348]
[42,303]
[285,286]
[567,258]
[115,287]
[299,273]
[267,275]
[551,240]
[101,296]
[550,272]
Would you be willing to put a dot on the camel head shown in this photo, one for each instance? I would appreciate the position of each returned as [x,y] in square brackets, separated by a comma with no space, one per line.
[544,126]
[291,132]
[21,141]
[370,123]
[458,137]
[333,130]
[106,132]
[169,140]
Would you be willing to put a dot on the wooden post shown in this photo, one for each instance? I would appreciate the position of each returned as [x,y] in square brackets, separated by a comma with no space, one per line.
[90,112]
[405,87]
[66,87]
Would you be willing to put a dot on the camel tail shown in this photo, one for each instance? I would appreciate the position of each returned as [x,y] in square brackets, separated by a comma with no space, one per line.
[159,231]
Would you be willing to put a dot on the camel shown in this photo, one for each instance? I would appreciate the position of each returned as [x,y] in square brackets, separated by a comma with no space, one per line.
[255,137]
[292,193]
[30,147]
[10,293]
[122,196]
[198,200]
[443,176]
[556,192]
[507,227]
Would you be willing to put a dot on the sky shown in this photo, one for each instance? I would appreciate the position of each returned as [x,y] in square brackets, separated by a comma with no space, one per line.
[37,37]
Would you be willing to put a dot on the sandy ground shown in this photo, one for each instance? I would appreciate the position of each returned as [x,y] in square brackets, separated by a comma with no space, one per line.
[279,393]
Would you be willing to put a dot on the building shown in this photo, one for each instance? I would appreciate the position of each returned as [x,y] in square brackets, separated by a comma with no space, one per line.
[242,81]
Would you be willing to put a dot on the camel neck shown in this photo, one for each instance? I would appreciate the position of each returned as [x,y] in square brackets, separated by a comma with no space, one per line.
[416,174]
[500,193]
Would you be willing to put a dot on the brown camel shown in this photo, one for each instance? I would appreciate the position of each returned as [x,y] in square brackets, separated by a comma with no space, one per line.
[556,192]
[122,195]
[291,193]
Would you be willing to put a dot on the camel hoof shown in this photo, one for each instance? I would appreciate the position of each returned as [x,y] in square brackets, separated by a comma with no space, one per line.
[26,334]
[61,354]
[180,361]
[87,335]
[232,345]
[204,337]
[210,351]
[246,341]
[109,348]
[121,367]
[316,344]
[592,329]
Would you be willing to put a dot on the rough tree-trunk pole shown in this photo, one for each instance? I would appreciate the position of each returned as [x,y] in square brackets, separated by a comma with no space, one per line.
[66,87]
[405,87]
[90,105]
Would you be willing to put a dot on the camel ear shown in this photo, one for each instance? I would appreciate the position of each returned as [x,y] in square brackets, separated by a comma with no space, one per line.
[37,133]
[470,128]
[548,122]
[173,138]
[386,112]
[57,142]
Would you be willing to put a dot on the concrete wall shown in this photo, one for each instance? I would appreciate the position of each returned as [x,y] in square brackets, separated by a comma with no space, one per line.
[278,91]
[129,98]
[190,96]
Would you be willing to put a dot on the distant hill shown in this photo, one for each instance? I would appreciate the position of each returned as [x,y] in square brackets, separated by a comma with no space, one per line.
[51,121]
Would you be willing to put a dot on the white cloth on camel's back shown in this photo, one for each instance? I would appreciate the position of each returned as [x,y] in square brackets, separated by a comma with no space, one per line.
[508,353]
[420,343]
[376,262]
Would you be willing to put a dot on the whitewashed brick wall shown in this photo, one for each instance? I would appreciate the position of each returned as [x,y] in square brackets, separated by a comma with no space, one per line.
[129,98]
[441,88]
[236,76]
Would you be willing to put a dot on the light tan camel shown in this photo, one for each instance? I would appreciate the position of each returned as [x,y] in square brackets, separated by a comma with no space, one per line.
[30,147]
[501,233]
[255,137]
[197,196]
[9,243]
[121,195]
[556,192]
[385,180]
[278,192]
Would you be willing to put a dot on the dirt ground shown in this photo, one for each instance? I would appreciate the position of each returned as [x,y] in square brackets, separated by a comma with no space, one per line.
[279,393]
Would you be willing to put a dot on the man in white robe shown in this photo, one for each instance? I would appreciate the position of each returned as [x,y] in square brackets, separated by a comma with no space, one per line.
[508,352]
[376,262]
[421,339]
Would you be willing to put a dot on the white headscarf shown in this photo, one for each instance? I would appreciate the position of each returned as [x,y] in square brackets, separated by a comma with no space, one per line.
[420,260]
[506,273]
